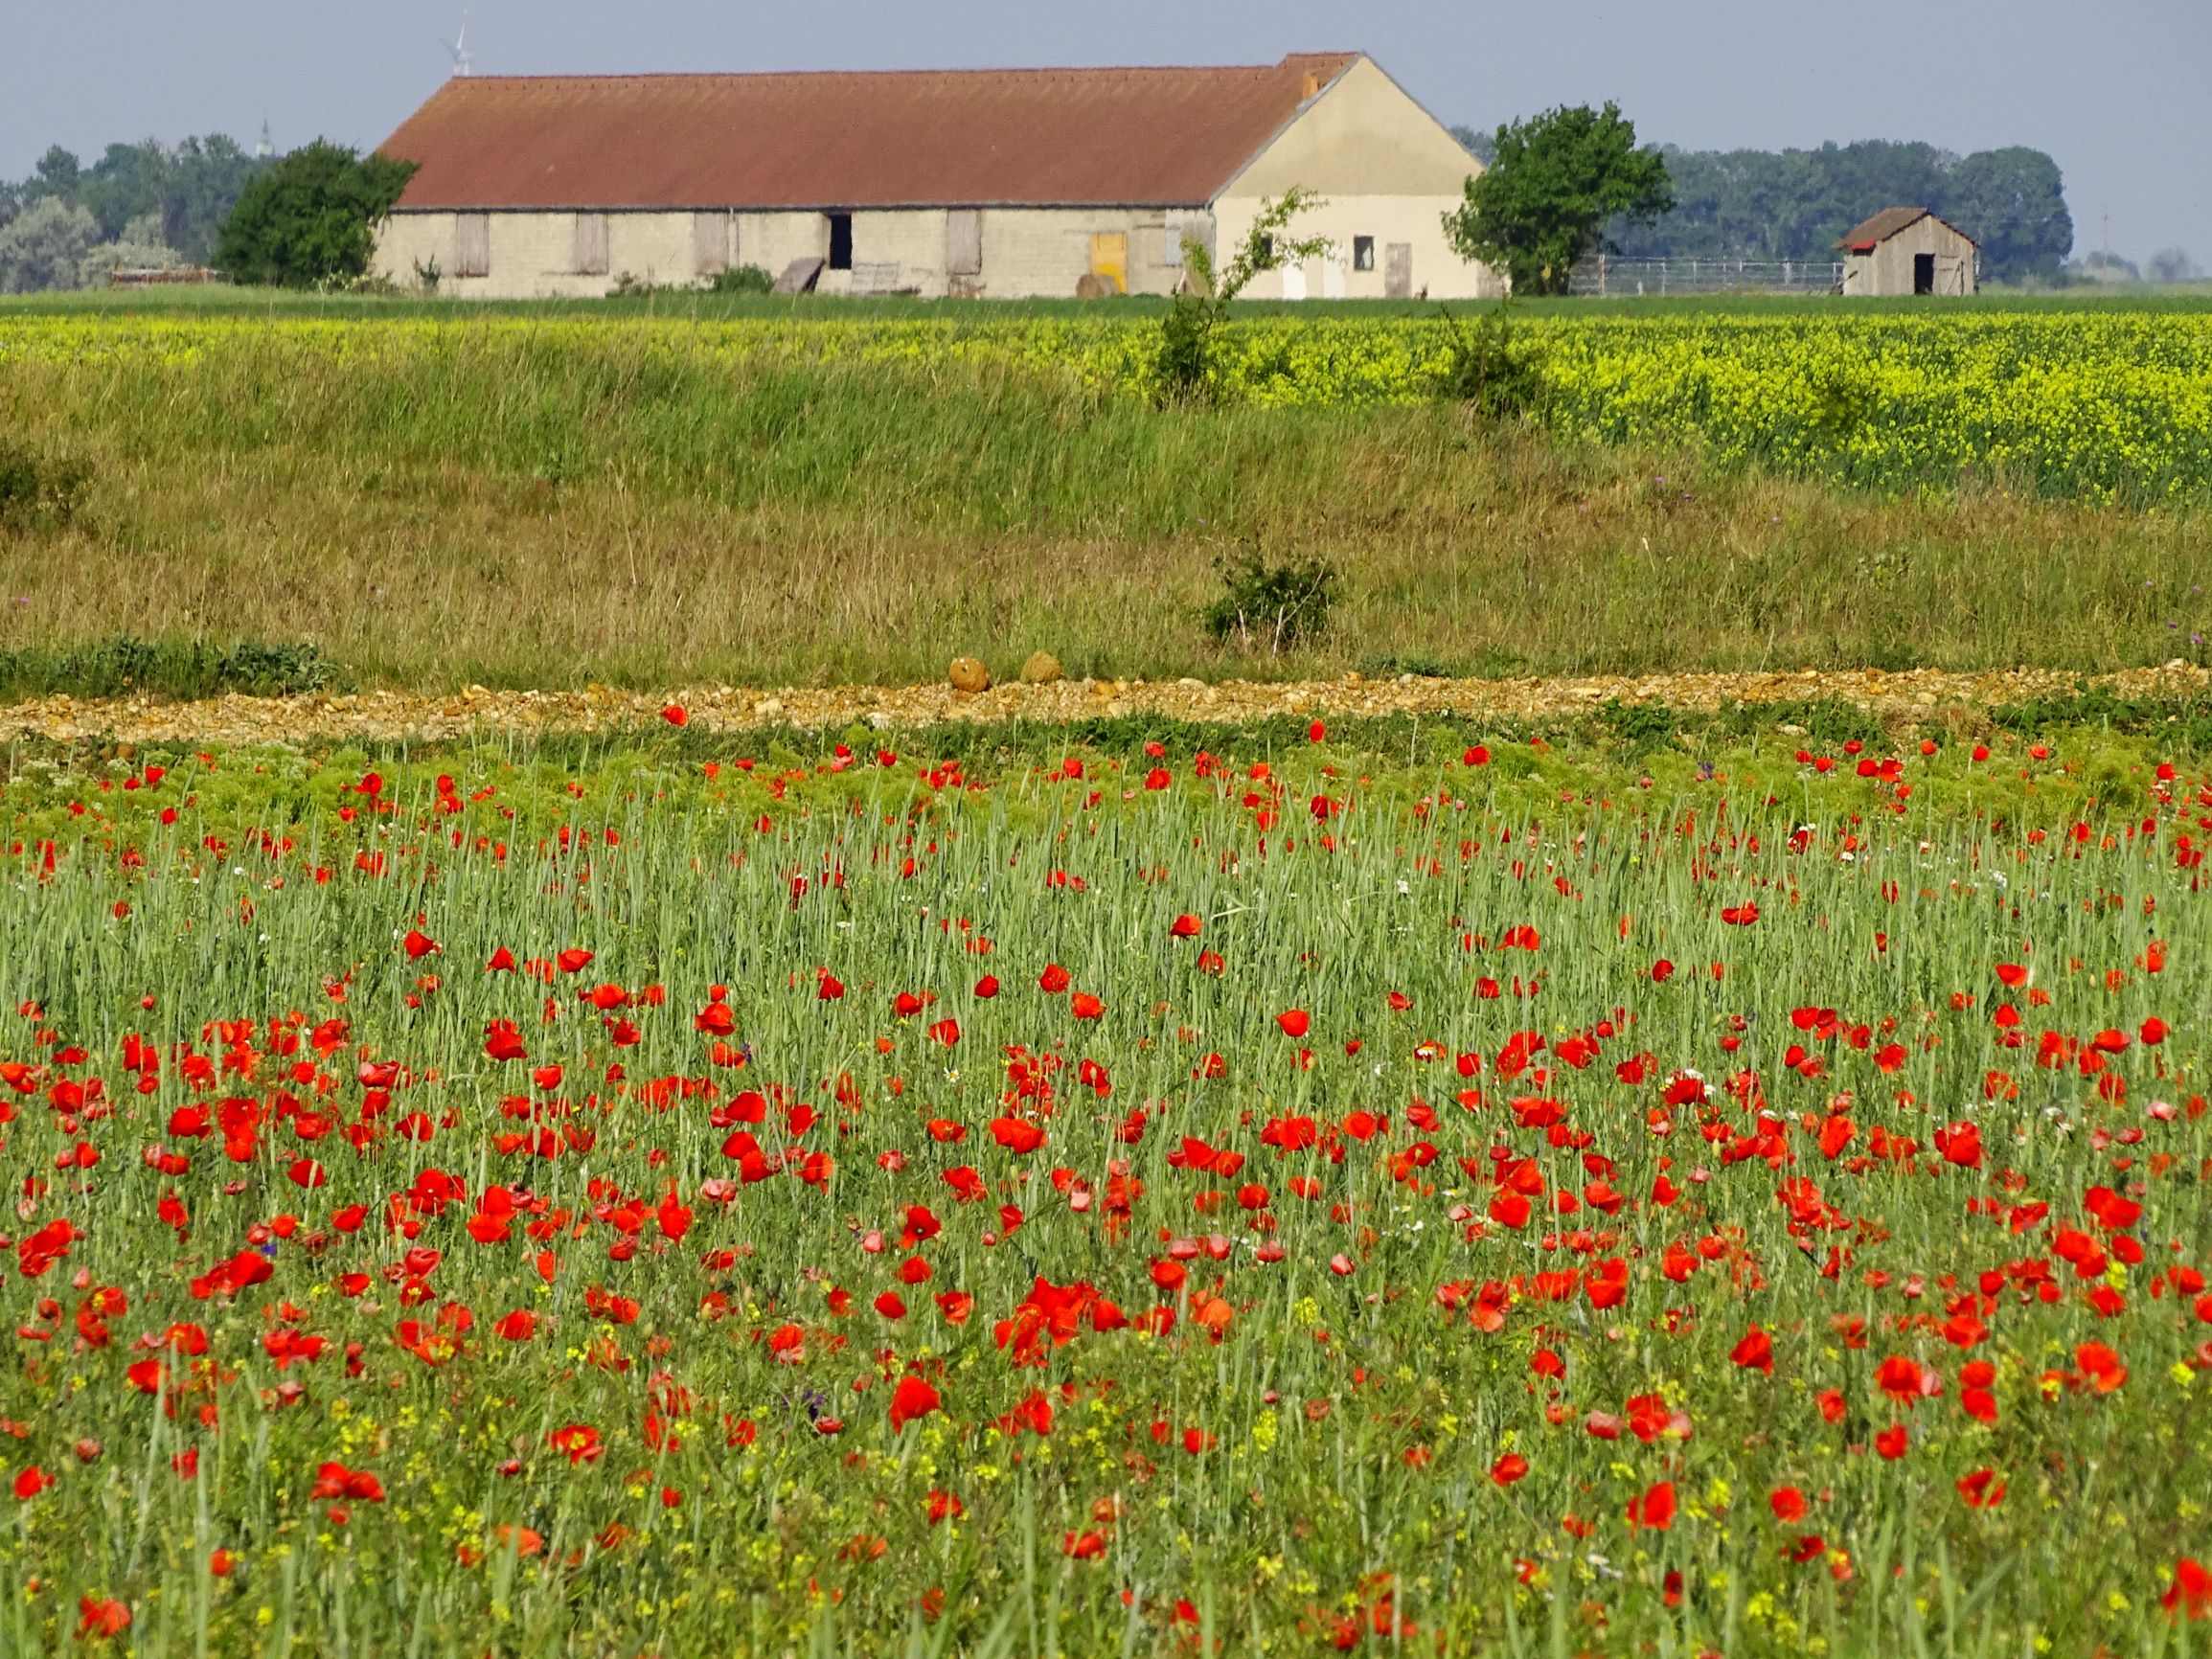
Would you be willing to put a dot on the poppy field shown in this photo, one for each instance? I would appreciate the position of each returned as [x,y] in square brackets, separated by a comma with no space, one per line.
[1131,1199]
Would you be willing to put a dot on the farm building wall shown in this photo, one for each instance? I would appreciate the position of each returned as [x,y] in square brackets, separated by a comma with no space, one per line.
[1888,269]
[1387,173]
[1026,252]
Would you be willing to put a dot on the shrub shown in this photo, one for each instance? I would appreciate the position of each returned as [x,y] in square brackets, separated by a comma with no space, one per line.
[742,280]
[1272,605]
[1487,371]
[1183,358]
[37,493]
[115,667]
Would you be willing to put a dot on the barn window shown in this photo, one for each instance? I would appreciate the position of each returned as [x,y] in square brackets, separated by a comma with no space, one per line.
[1362,253]
[473,244]
[591,250]
[840,242]
[1172,235]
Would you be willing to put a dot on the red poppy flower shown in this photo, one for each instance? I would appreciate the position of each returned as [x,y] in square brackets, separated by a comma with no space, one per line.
[1755,1352]
[2191,1591]
[1982,1489]
[1295,1023]
[102,1619]
[912,1399]
[1655,1509]
[1017,1135]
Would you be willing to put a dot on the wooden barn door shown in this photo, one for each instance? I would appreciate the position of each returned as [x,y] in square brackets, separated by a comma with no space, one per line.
[1109,258]
[710,244]
[1398,271]
[964,251]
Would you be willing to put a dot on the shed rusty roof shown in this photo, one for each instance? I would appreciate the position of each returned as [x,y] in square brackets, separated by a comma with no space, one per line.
[905,138]
[1865,236]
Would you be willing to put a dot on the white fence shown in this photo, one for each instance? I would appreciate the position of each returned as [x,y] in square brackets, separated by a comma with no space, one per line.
[1605,278]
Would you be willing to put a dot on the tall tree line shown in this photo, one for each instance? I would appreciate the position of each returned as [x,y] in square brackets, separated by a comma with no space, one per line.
[182,192]
[1793,204]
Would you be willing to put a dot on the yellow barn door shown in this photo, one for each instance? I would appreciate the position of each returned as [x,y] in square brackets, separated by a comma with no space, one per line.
[1109,258]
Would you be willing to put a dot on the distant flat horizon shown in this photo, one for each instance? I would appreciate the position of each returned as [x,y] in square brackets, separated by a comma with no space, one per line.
[2114,94]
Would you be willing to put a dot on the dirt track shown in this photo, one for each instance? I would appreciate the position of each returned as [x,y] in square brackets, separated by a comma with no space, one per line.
[387,715]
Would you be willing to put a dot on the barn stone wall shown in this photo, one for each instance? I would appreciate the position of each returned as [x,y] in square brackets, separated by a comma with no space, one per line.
[1027,252]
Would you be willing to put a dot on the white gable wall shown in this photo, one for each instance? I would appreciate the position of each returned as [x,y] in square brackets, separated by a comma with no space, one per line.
[1385,168]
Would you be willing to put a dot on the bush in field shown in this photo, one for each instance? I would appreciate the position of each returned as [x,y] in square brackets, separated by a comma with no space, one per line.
[128,666]
[1183,368]
[1271,606]
[311,218]
[742,280]
[41,492]
[1487,371]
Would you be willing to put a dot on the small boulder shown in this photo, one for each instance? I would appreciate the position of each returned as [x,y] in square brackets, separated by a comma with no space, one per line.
[1041,668]
[967,674]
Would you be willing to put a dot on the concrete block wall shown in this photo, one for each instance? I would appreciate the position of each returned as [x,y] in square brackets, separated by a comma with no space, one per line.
[1026,251]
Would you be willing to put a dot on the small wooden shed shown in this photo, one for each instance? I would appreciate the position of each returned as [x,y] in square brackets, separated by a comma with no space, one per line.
[1908,250]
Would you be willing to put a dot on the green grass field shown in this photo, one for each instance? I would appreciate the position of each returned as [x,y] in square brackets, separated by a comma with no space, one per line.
[436,501]
[223,299]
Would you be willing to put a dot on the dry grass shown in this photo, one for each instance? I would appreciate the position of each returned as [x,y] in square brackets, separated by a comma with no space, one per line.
[649,524]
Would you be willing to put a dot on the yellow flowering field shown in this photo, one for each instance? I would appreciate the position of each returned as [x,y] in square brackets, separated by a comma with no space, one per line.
[2100,405]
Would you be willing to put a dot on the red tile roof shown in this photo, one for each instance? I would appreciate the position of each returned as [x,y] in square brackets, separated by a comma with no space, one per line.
[906,138]
[1864,237]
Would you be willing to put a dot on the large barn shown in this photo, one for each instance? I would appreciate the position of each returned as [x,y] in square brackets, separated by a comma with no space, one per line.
[998,183]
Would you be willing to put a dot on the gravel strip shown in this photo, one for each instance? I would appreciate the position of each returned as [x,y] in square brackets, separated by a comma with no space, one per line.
[391,716]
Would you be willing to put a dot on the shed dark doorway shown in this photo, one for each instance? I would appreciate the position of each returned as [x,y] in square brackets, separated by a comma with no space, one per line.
[841,242]
[1923,273]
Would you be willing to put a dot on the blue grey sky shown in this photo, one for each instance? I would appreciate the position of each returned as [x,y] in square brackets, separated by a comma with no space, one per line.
[2116,90]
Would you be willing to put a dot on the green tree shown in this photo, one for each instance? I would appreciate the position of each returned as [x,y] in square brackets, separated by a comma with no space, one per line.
[58,170]
[312,217]
[1480,145]
[2013,202]
[1559,178]
[44,247]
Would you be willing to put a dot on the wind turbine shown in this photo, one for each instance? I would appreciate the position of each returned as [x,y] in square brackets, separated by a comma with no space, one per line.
[462,62]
